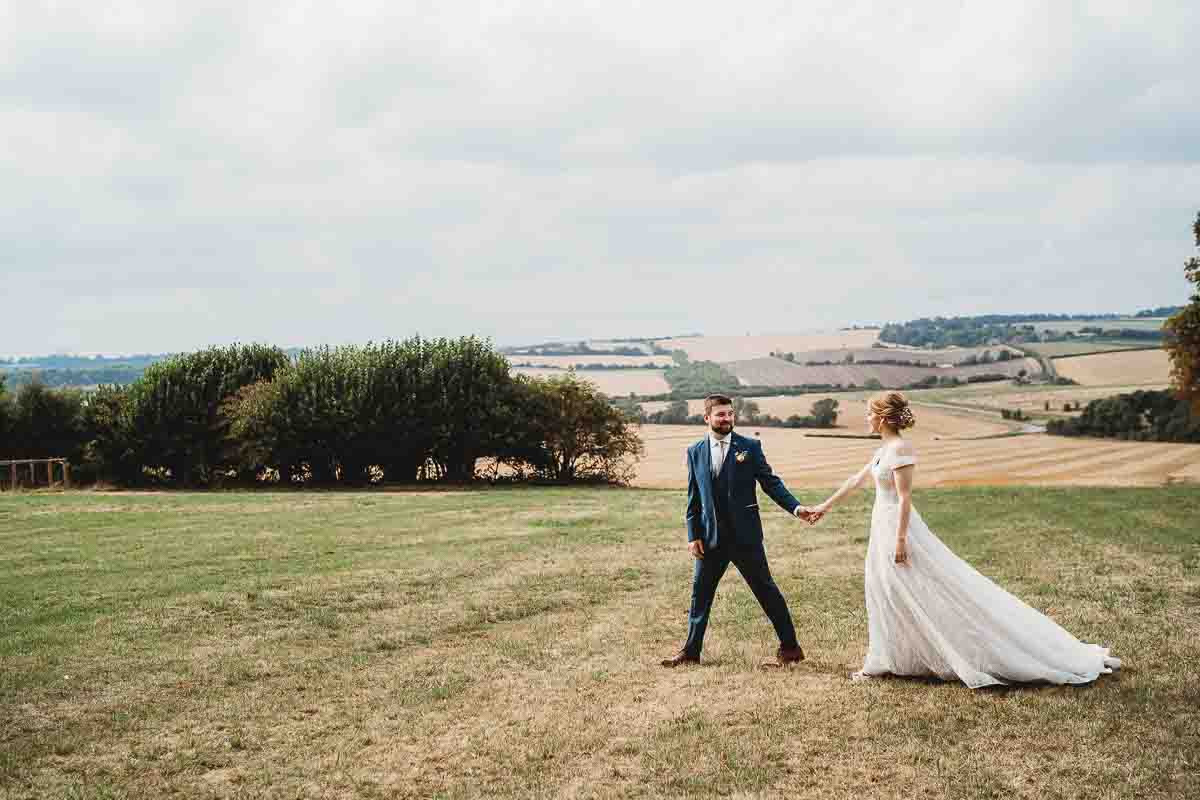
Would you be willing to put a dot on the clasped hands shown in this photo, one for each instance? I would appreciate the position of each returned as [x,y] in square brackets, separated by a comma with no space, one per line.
[812,515]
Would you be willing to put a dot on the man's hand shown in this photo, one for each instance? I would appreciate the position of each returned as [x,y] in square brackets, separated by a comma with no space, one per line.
[809,515]
[696,548]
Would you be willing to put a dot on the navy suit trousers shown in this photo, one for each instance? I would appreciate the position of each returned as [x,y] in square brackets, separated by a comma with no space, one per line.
[750,560]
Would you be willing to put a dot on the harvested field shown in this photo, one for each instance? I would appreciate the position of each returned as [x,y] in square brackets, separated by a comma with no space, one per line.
[737,348]
[777,372]
[614,383]
[1032,400]
[1088,347]
[852,409]
[1144,367]
[1034,459]
[570,361]
[954,355]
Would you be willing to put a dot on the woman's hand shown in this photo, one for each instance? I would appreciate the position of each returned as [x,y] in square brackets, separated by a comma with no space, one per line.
[901,551]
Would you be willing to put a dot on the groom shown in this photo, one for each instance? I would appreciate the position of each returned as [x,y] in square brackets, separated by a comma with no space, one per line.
[723,527]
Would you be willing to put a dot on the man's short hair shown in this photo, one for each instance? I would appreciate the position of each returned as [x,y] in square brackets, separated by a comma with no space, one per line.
[715,400]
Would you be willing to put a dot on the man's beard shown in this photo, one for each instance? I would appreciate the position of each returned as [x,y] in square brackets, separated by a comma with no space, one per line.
[722,428]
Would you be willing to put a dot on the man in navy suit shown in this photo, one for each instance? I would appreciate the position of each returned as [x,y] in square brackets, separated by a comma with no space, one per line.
[723,527]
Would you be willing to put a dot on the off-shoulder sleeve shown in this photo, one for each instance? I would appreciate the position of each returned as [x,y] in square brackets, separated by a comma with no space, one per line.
[899,460]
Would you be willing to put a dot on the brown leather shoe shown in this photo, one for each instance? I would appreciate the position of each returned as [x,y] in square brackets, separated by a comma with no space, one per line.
[679,659]
[785,656]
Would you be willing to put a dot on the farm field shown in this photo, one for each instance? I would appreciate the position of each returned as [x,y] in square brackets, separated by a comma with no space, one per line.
[615,383]
[736,348]
[505,643]
[852,409]
[570,361]
[1032,399]
[1085,347]
[1031,459]
[777,372]
[1134,323]
[953,355]
[1148,367]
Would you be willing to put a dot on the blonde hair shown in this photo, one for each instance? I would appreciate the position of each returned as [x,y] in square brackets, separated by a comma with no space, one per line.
[893,408]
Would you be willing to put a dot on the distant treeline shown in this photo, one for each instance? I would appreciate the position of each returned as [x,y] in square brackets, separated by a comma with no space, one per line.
[938,332]
[1147,416]
[394,412]
[824,414]
[1124,333]
[141,360]
[120,374]
[1161,311]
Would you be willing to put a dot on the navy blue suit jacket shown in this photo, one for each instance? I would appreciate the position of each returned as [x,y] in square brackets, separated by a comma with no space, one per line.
[748,467]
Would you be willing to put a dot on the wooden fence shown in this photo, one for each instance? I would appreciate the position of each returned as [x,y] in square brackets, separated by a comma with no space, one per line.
[13,472]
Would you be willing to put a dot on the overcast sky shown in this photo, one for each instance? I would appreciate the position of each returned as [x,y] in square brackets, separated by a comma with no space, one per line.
[179,175]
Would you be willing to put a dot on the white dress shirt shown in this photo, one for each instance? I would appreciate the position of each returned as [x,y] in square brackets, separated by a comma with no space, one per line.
[718,448]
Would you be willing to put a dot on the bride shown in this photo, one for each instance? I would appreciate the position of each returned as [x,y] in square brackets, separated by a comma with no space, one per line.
[931,613]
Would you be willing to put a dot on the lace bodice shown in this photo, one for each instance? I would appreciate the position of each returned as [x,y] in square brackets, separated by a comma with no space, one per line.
[885,460]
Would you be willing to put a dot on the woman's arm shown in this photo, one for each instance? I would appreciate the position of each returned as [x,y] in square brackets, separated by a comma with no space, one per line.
[903,476]
[852,483]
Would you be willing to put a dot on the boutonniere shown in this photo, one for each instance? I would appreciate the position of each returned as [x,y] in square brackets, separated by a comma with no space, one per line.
[740,456]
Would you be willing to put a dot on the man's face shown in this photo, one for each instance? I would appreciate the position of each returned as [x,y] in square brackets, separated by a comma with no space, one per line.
[720,419]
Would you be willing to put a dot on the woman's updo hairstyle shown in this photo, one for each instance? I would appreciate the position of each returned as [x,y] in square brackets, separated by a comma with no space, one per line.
[893,409]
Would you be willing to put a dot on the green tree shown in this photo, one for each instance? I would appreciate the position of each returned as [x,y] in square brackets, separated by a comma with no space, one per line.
[581,436]
[175,407]
[114,448]
[825,413]
[47,423]
[1183,330]
[5,418]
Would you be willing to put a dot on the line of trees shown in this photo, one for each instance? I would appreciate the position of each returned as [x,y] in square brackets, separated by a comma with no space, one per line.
[1147,416]
[392,412]
[939,332]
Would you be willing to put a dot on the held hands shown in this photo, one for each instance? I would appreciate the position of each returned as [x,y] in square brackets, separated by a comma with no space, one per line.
[696,548]
[810,515]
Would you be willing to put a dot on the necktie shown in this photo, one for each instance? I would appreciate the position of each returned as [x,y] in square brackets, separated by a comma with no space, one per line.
[720,457]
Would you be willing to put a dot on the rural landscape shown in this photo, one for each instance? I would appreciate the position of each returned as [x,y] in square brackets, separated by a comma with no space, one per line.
[542,400]
[434,639]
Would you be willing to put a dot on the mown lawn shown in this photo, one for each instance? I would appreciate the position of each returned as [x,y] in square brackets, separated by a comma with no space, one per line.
[506,642]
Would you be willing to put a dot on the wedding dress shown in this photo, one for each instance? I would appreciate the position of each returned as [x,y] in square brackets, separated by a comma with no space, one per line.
[937,616]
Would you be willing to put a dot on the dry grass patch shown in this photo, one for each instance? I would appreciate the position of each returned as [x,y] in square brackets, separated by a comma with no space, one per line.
[505,643]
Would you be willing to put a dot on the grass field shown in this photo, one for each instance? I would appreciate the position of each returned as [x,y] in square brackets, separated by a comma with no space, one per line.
[943,459]
[505,643]
[1135,323]
[1149,367]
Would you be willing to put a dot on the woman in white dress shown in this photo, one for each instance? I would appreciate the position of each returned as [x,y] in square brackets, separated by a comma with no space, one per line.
[929,613]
